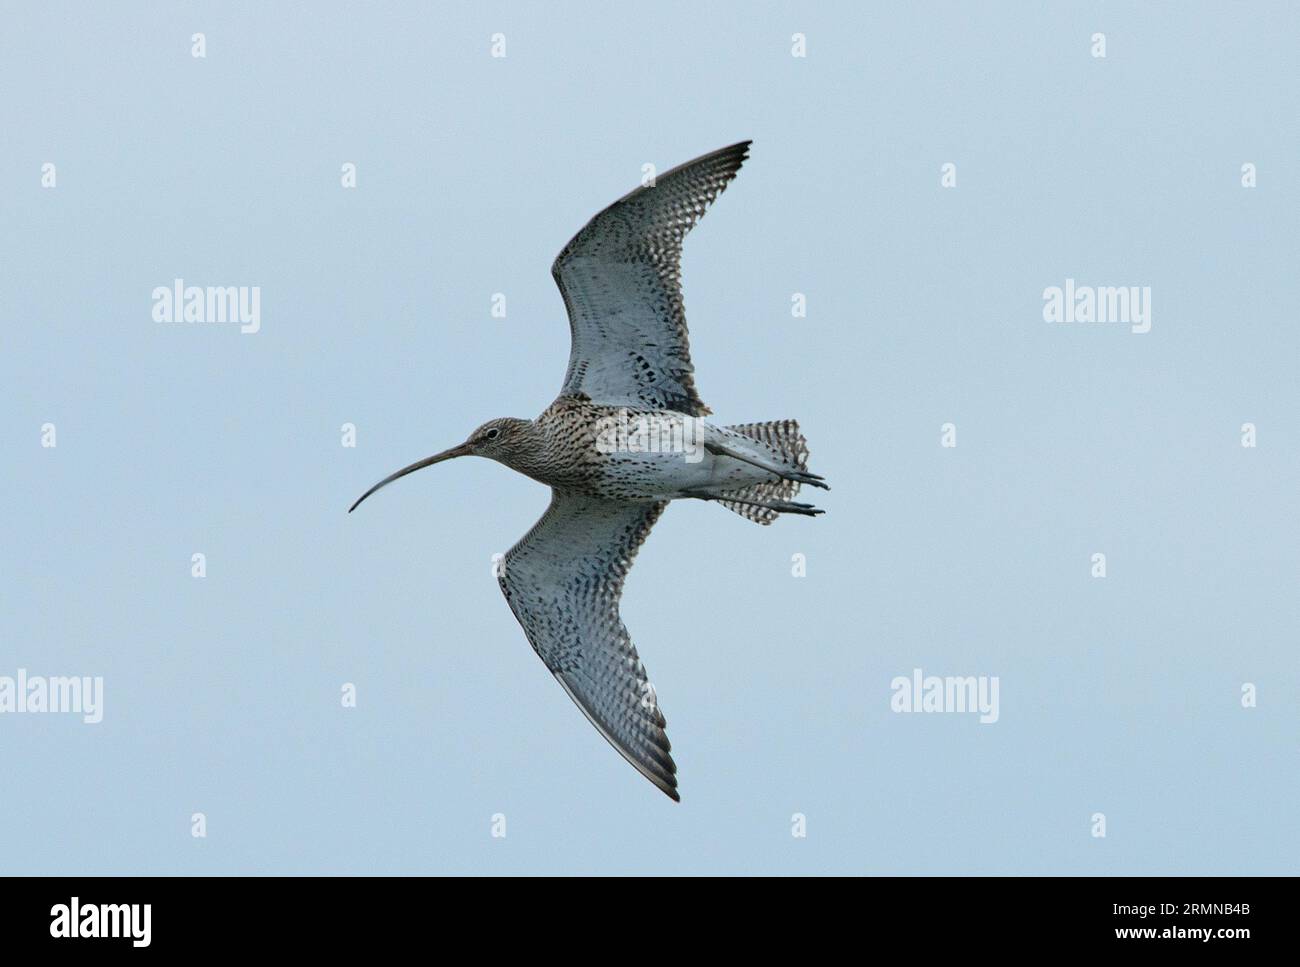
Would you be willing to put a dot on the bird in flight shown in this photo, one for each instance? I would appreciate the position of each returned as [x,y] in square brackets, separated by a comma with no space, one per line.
[625,436]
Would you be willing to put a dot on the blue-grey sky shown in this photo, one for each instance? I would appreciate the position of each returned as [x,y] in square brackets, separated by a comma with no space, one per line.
[1120,695]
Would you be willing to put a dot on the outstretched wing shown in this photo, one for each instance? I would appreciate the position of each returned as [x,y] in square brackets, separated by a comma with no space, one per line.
[563,582]
[621,281]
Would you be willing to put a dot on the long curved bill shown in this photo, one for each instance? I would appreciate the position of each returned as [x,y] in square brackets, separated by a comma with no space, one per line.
[457,451]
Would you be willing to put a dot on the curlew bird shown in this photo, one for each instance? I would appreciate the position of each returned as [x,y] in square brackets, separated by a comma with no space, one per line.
[625,437]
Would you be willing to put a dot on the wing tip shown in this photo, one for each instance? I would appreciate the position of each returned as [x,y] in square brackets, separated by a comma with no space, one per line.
[731,157]
[663,778]
[660,770]
[740,150]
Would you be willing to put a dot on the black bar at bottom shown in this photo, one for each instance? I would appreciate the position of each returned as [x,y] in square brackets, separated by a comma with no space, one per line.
[207,915]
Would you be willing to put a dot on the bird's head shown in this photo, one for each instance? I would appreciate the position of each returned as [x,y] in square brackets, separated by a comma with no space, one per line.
[499,438]
[496,439]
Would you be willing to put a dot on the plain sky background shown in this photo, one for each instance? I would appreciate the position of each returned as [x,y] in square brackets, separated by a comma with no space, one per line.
[1119,695]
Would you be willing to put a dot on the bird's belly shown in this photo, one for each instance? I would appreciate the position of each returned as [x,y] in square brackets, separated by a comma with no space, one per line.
[621,454]
[665,476]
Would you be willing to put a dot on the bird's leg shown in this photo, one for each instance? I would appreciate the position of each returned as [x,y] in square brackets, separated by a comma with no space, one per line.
[798,476]
[780,506]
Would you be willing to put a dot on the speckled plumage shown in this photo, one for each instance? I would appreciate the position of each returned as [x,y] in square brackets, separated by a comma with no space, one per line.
[630,366]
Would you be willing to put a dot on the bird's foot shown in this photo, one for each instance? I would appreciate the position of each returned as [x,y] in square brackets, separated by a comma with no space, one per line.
[804,477]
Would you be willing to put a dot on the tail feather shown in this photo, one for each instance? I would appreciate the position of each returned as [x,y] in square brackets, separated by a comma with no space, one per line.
[788,445]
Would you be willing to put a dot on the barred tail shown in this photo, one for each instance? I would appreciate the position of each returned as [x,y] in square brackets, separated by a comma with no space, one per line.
[790,449]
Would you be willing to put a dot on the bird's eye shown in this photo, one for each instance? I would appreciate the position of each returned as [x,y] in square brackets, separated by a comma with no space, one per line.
[492,434]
